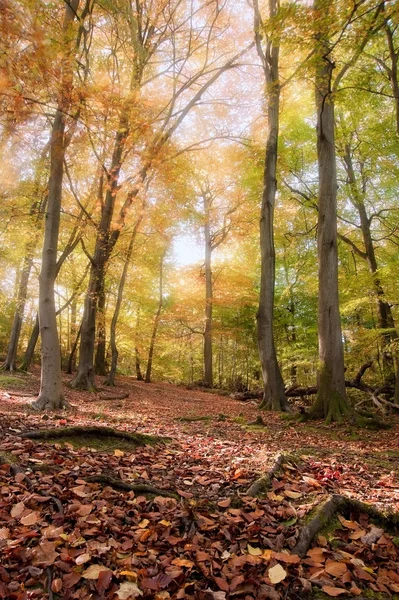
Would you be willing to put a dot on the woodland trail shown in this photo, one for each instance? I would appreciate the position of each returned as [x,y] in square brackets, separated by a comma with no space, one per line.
[211,540]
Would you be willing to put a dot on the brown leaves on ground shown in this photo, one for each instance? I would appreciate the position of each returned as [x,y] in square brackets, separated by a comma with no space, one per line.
[210,543]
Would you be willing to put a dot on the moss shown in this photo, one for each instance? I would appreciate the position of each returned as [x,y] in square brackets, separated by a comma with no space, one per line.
[240,420]
[13,382]
[98,437]
[6,458]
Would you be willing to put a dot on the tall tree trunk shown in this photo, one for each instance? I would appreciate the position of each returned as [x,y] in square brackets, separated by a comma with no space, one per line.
[51,396]
[156,322]
[273,385]
[331,402]
[99,363]
[114,350]
[208,350]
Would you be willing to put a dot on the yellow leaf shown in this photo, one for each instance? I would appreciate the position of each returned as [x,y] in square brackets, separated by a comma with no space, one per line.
[143,523]
[254,551]
[131,574]
[165,523]
[277,574]
[82,558]
[119,453]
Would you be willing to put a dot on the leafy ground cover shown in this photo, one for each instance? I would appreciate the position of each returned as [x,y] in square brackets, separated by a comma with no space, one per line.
[70,529]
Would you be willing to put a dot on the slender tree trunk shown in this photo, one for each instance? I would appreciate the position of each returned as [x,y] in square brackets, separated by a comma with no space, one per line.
[72,356]
[331,402]
[100,366]
[114,350]
[273,385]
[208,350]
[139,374]
[156,322]
[30,349]
[51,396]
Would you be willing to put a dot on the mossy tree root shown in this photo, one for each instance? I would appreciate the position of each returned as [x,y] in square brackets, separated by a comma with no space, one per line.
[139,439]
[263,483]
[138,488]
[326,512]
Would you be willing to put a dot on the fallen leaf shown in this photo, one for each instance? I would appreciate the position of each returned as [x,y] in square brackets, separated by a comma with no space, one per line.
[94,571]
[128,589]
[276,574]
[30,519]
[333,591]
[17,509]
[336,569]
[118,453]
[254,551]
[82,558]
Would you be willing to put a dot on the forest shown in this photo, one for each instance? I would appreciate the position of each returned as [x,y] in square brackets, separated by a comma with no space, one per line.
[199,325]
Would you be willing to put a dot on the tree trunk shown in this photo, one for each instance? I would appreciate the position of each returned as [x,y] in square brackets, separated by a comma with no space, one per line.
[114,350]
[273,395]
[208,350]
[72,356]
[331,402]
[156,322]
[100,366]
[51,396]
[30,349]
[139,374]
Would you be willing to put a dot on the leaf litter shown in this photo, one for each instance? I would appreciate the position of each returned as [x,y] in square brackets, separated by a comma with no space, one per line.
[210,542]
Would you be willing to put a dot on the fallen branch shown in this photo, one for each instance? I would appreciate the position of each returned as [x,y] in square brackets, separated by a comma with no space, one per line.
[326,512]
[138,488]
[22,394]
[263,483]
[119,396]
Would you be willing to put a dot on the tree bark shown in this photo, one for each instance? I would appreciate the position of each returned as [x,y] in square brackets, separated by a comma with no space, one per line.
[208,350]
[50,395]
[114,350]
[331,402]
[100,367]
[273,396]
[156,322]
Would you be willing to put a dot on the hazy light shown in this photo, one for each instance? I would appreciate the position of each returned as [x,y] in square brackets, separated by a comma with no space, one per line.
[187,251]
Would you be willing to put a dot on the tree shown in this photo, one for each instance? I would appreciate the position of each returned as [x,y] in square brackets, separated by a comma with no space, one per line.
[146,37]
[273,384]
[50,395]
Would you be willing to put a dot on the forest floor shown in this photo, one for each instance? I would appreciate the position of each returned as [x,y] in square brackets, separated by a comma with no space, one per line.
[64,535]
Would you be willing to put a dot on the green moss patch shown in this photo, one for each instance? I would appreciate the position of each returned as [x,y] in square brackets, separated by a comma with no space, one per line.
[100,438]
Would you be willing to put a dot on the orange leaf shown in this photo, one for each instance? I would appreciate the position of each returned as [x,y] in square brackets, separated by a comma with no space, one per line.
[333,591]
[337,569]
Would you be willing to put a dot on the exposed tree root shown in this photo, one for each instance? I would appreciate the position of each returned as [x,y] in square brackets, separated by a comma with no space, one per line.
[44,402]
[139,439]
[22,394]
[138,488]
[119,396]
[325,513]
[263,483]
